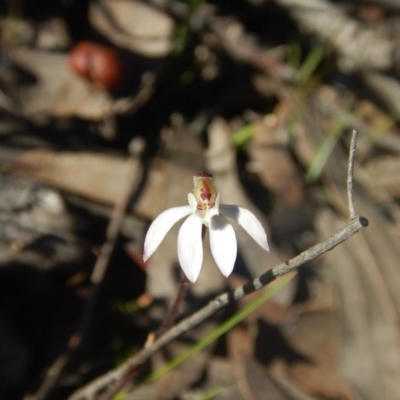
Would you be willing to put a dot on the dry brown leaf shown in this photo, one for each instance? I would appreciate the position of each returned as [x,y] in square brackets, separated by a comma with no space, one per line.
[58,92]
[385,174]
[181,378]
[98,177]
[222,373]
[370,354]
[133,25]
[386,88]
[268,387]
[315,334]
[270,158]
[252,379]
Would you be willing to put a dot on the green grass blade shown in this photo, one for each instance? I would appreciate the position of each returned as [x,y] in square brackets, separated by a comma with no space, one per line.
[310,65]
[210,394]
[242,136]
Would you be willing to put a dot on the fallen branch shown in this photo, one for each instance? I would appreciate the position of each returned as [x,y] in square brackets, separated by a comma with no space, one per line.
[355,224]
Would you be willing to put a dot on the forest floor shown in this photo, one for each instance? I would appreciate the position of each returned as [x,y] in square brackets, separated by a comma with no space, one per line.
[108,108]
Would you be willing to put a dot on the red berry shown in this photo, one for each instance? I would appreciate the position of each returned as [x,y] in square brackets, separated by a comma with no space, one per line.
[98,63]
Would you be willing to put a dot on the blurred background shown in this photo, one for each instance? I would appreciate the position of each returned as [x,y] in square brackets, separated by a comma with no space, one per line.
[107,110]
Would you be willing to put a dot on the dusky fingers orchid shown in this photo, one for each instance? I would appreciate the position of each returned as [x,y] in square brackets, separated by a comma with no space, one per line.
[204,210]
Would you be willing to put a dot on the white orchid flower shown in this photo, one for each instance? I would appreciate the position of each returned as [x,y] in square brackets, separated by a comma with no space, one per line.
[204,211]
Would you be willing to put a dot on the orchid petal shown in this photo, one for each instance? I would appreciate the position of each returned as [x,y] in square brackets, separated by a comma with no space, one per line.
[215,210]
[248,221]
[223,244]
[190,247]
[192,201]
[160,227]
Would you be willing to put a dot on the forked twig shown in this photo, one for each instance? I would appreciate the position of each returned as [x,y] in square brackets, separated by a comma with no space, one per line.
[95,389]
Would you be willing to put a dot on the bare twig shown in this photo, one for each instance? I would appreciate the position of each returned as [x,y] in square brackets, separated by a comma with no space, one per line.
[355,224]
[350,174]
[58,367]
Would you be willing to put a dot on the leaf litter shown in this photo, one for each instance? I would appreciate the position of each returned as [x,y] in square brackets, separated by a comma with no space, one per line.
[261,94]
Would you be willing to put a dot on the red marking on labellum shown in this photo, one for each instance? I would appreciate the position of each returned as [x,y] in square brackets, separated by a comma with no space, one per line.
[205,192]
[204,175]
